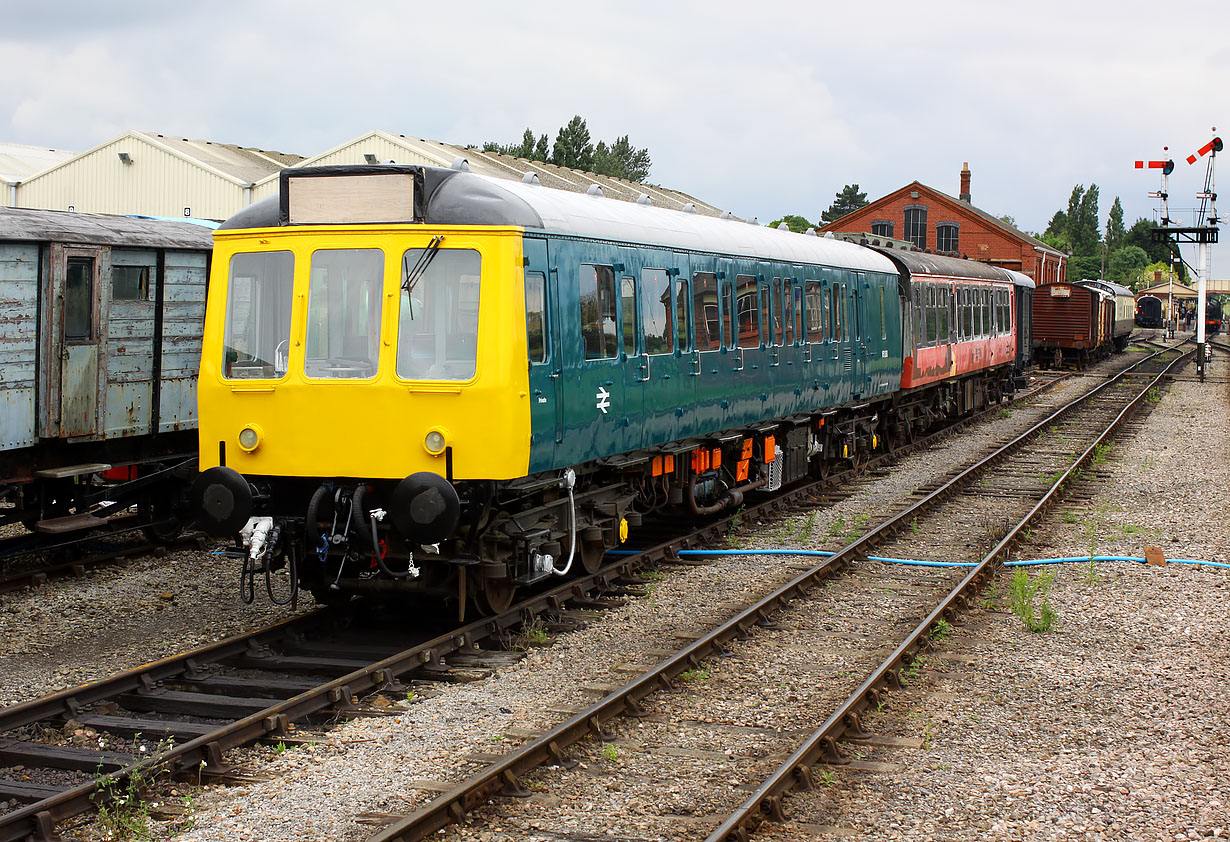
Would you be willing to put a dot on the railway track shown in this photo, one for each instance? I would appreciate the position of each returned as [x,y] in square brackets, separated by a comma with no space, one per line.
[253,687]
[699,719]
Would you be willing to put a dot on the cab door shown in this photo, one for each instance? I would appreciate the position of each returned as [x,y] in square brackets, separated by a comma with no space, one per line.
[78,334]
[542,350]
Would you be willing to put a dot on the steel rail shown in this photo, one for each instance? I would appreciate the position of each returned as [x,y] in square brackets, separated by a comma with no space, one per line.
[821,745]
[504,774]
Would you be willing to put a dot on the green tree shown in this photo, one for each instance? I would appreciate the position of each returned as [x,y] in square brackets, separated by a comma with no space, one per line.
[1008,219]
[1084,266]
[796,224]
[847,201]
[621,160]
[572,146]
[542,149]
[1115,232]
[1147,276]
[1140,234]
[1122,265]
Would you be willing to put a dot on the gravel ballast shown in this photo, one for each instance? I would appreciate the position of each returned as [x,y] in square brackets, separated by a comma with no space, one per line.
[381,764]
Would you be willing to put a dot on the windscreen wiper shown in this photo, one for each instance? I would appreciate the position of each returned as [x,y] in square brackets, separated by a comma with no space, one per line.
[415,273]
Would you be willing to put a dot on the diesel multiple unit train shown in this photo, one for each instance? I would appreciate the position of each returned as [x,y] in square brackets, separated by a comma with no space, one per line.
[422,379]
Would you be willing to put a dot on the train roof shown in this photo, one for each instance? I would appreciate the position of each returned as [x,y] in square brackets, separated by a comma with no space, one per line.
[45,226]
[1108,286]
[916,263]
[455,197]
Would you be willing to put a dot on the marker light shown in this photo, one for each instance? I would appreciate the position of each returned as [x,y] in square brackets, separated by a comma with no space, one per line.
[249,439]
[435,442]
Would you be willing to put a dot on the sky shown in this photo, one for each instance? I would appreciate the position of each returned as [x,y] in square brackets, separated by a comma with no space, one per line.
[763,109]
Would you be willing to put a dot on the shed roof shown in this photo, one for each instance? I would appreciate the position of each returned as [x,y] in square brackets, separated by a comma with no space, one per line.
[44,226]
[18,162]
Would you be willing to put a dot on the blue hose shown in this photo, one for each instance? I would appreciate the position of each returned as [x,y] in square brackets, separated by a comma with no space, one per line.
[1080,559]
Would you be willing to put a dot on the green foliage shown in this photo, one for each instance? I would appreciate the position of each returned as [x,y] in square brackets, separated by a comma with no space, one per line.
[797,224]
[1028,600]
[610,752]
[573,149]
[700,673]
[1159,252]
[848,200]
[1008,219]
[1082,266]
[123,812]
[1115,232]
[1124,264]
[941,630]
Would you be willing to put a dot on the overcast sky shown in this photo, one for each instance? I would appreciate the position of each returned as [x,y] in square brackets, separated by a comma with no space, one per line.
[760,108]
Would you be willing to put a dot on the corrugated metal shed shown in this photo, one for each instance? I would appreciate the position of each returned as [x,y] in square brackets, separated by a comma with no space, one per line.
[158,175]
[386,147]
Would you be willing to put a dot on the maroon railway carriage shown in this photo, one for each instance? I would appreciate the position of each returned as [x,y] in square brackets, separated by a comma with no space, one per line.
[1073,325]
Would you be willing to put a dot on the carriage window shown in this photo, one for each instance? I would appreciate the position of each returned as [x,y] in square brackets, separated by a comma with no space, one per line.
[749,313]
[437,328]
[597,304]
[792,296]
[343,317]
[883,323]
[129,283]
[706,312]
[730,323]
[815,312]
[79,298]
[932,314]
[536,316]
[944,300]
[773,324]
[838,298]
[256,339]
[656,310]
[918,315]
[857,301]
[683,313]
[628,312]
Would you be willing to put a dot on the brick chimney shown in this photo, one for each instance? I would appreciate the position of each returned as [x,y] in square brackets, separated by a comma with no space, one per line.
[964,196]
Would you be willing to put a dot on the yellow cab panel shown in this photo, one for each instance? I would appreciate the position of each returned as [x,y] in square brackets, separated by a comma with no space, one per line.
[371,351]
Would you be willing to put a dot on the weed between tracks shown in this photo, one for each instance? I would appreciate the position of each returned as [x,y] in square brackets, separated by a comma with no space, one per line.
[1029,602]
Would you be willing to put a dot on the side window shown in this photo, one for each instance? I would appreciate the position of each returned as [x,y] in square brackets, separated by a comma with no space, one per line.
[774,309]
[791,298]
[628,312]
[683,313]
[597,305]
[815,312]
[730,324]
[856,305]
[706,312]
[130,275]
[79,299]
[749,312]
[883,317]
[536,317]
[932,329]
[656,310]
[946,313]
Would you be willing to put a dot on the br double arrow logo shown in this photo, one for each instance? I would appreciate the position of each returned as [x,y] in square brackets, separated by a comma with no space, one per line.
[604,399]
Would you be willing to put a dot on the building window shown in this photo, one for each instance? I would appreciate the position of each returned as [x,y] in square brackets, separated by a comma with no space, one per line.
[916,225]
[946,236]
[882,228]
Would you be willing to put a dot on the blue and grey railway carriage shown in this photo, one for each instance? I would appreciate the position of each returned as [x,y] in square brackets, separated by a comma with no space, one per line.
[100,344]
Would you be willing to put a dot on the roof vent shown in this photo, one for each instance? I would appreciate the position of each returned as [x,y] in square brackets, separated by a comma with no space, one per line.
[689,208]
[751,220]
[594,190]
[370,158]
[460,163]
[828,235]
[811,232]
[530,178]
[726,215]
[644,199]
[782,226]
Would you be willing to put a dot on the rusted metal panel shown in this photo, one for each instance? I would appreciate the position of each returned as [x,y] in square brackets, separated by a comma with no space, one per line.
[182,316]
[18,343]
[128,408]
[178,404]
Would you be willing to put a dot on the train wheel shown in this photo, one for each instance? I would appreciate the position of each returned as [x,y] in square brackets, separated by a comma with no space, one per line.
[492,596]
[161,524]
[591,553]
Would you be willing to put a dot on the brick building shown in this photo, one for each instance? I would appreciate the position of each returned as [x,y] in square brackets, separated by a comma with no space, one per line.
[937,222]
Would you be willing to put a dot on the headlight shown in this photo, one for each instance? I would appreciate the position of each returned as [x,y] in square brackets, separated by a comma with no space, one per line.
[435,441]
[249,438]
